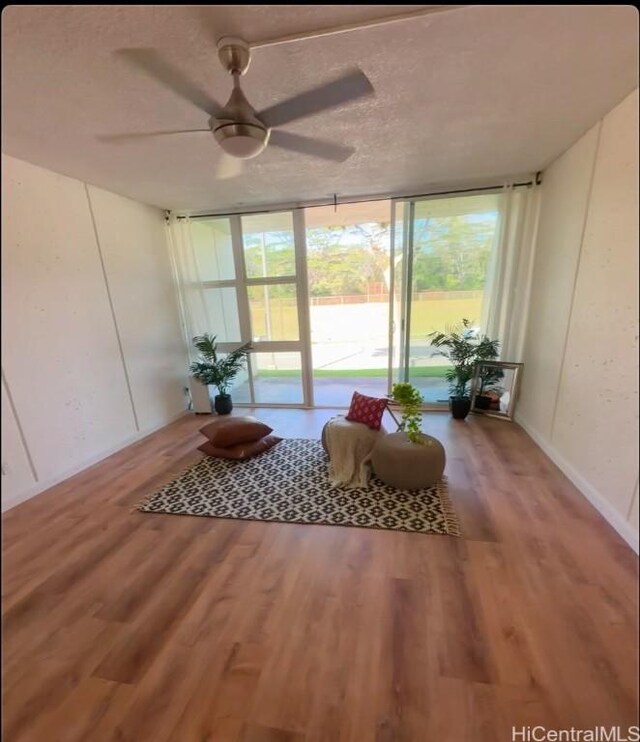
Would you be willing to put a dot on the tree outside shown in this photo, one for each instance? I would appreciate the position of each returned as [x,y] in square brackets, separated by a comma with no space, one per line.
[450,254]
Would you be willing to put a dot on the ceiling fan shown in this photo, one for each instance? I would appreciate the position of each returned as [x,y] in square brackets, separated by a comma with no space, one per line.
[240,130]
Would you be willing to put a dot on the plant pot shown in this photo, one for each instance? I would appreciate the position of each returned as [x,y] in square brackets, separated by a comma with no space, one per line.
[459,407]
[408,466]
[483,402]
[222,404]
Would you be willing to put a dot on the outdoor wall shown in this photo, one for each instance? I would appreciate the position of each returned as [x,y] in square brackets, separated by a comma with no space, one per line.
[92,351]
[579,396]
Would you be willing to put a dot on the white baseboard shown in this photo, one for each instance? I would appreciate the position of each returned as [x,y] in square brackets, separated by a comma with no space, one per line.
[608,512]
[41,486]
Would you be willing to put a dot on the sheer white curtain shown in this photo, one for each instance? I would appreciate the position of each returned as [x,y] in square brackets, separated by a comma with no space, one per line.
[509,273]
[193,307]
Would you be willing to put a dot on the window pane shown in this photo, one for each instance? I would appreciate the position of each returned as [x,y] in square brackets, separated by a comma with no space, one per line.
[268,245]
[274,312]
[453,243]
[222,313]
[213,251]
[241,392]
[277,377]
[348,253]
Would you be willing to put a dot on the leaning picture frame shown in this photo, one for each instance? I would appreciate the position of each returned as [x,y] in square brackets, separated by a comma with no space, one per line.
[494,388]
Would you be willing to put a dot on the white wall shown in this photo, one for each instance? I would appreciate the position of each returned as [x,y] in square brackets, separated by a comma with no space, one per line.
[133,245]
[19,474]
[579,396]
[634,512]
[563,208]
[92,352]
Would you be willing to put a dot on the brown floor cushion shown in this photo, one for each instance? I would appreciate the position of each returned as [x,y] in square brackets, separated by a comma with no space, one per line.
[240,451]
[229,431]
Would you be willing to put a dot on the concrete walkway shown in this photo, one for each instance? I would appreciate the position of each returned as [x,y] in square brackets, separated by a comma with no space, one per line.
[332,392]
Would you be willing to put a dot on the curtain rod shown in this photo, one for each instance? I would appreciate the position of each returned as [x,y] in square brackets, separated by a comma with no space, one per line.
[336,203]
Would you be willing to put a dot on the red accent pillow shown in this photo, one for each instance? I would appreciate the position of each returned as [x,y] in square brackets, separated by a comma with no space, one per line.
[367,410]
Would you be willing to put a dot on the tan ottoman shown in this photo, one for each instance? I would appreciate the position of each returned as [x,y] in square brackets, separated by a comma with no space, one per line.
[405,465]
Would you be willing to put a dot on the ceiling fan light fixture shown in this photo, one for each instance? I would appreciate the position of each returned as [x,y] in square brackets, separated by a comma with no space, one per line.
[242,140]
[240,131]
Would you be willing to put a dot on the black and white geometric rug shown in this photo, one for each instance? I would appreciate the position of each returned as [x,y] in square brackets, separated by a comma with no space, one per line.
[289,484]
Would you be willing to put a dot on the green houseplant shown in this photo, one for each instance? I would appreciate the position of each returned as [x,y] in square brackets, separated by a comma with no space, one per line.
[410,401]
[220,371]
[488,379]
[464,347]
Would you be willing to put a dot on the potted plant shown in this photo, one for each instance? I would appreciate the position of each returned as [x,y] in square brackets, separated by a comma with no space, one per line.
[488,379]
[410,401]
[219,371]
[408,459]
[464,347]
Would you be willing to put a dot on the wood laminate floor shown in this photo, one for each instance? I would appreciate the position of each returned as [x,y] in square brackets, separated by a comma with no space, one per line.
[119,625]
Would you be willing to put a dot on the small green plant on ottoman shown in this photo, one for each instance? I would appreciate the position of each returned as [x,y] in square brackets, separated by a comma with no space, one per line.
[408,459]
[410,401]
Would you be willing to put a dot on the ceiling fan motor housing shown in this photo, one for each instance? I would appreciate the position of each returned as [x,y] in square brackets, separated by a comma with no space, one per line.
[234,54]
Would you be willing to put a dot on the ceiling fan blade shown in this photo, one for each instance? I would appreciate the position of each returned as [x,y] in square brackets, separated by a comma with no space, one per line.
[308,146]
[123,138]
[171,77]
[229,167]
[350,87]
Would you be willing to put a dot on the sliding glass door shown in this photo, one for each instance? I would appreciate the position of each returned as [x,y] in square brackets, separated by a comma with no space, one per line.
[348,266]
[335,300]
[447,248]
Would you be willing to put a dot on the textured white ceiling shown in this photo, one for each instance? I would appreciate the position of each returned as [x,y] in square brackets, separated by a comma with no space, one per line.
[477,92]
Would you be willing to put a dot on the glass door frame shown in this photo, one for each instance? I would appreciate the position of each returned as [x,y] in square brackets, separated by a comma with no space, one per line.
[401,295]
[308,376]
[397,371]
[401,372]
[402,225]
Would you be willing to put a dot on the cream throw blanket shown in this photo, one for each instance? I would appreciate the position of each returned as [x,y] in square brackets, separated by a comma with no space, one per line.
[350,445]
